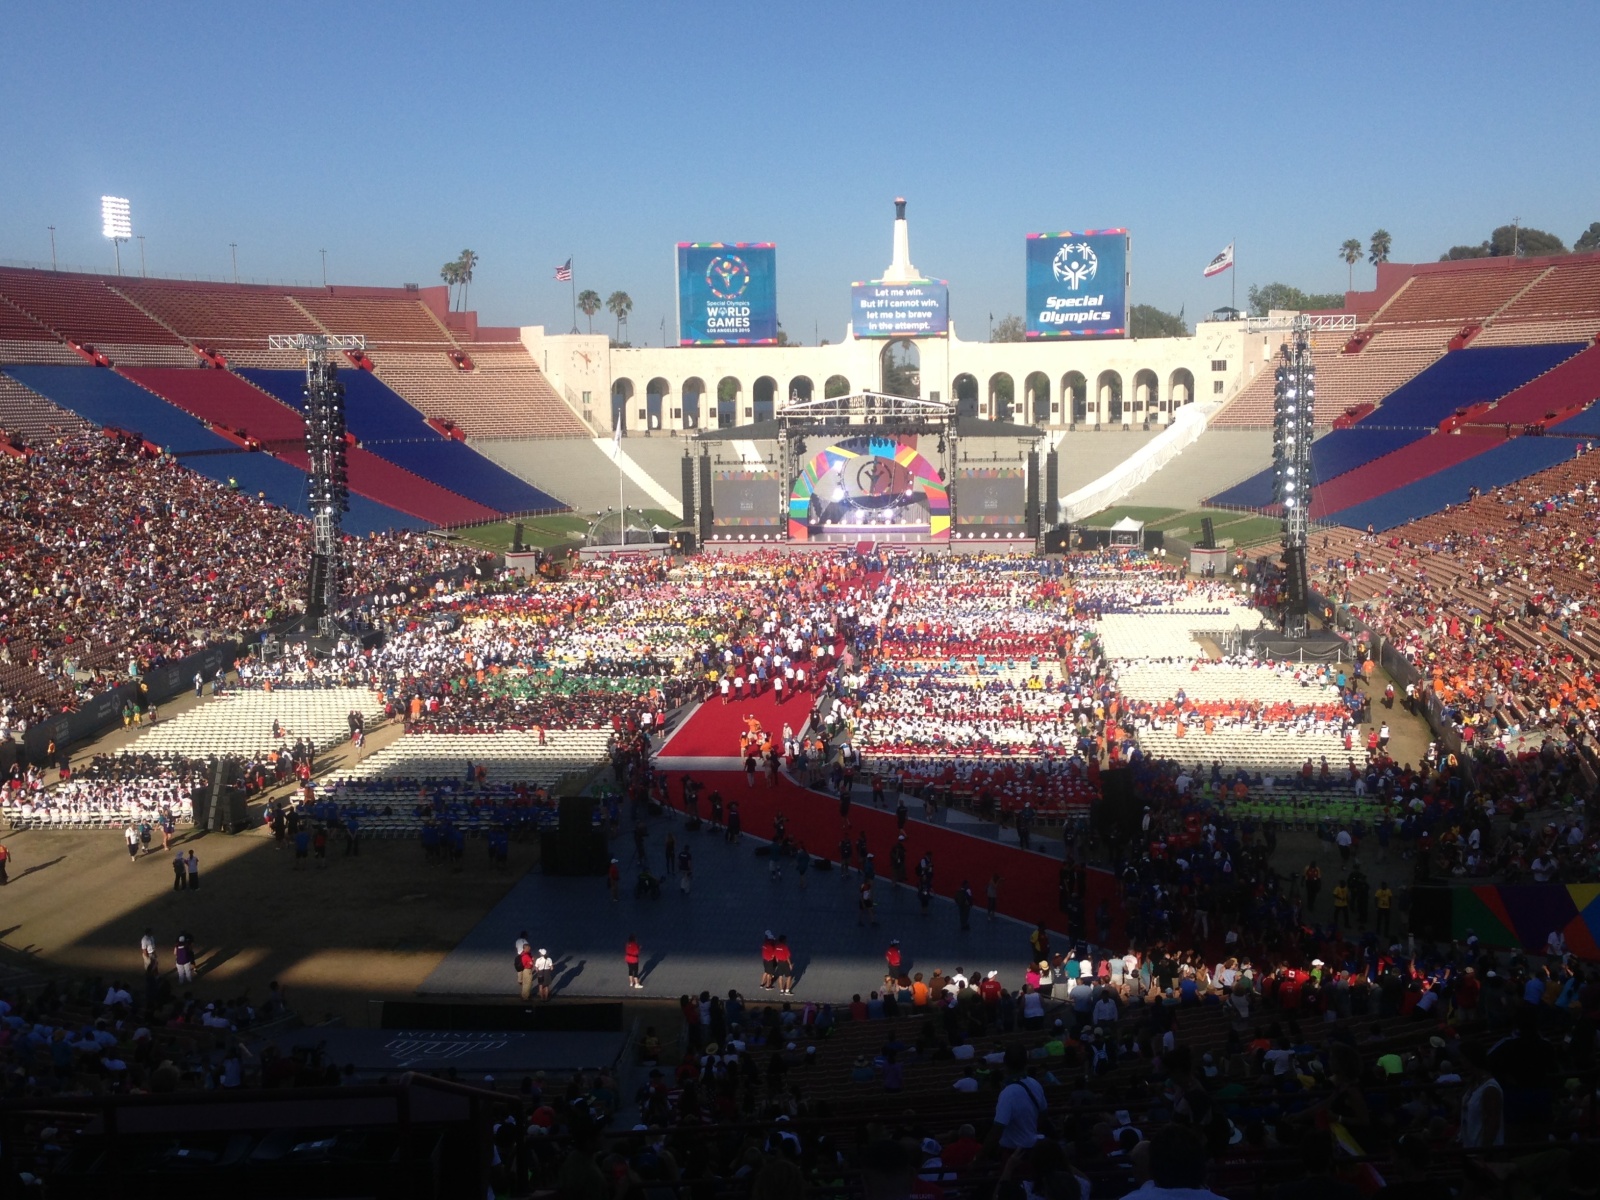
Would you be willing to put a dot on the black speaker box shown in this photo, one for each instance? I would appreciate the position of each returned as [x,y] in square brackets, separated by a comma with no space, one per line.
[1115,816]
[1031,503]
[580,854]
[1056,541]
[1208,536]
[687,483]
[705,508]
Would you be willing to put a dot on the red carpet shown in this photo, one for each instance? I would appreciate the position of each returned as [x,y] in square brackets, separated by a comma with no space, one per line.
[1028,881]
[713,730]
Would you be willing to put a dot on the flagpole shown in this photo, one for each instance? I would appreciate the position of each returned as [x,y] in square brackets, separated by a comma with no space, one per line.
[1233,280]
[572,278]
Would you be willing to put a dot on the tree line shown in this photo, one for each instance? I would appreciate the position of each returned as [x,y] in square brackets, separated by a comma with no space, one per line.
[1522,241]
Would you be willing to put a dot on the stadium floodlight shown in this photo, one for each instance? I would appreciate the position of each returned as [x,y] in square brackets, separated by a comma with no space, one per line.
[116,223]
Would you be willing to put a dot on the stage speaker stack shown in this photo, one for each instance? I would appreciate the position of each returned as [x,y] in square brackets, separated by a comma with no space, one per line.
[1208,535]
[200,804]
[516,538]
[1055,540]
[1032,504]
[1114,817]
[687,464]
[577,847]
[705,499]
[1052,487]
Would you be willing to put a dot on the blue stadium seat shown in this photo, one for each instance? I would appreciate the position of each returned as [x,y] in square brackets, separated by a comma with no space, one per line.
[1506,463]
[285,485]
[463,470]
[1466,377]
[106,398]
[1343,450]
[1332,455]
[1585,424]
[372,411]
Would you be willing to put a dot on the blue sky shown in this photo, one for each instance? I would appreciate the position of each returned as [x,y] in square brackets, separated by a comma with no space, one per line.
[395,134]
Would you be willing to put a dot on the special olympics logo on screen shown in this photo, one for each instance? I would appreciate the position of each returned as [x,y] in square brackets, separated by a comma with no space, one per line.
[1075,264]
[727,276]
[874,477]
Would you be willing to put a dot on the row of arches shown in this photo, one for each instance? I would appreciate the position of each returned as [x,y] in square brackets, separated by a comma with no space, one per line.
[1041,401]
[1114,401]
[694,406]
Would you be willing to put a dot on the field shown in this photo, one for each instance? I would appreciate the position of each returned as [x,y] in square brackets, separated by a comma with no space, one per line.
[1245,529]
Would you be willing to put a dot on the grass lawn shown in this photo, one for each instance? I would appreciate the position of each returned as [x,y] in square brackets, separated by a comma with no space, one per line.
[1110,516]
[542,532]
[663,518]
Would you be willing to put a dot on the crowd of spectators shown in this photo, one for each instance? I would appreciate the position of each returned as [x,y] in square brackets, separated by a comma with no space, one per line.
[114,559]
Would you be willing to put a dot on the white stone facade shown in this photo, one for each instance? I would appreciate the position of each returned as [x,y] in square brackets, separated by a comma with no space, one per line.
[1053,384]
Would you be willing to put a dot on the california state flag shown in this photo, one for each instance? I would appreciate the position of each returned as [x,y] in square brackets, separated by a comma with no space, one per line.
[1220,263]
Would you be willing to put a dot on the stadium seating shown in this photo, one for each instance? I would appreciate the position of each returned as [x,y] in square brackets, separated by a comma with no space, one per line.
[504,396]
[231,401]
[372,411]
[81,307]
[1458,296]
[383,320]
[1506,463]
[1332,455]
[221,316]
[461,468]
[16,325]
[222,398]
[1464,378]
[1343,380]
[285,485]
[107,398]
[1417,459]
[1562,305]
[1567,385]
[1585,424]
[23,411]
[380,480]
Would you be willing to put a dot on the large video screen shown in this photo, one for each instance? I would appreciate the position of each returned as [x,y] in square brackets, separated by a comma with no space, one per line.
[1078,284]
[866,487]
[992,495]
[727,294]
[741,499]
[886,310]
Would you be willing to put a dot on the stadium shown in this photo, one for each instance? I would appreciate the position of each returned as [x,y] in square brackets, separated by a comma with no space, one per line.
[449,758]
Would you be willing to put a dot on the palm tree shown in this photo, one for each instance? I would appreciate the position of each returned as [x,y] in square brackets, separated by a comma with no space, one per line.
[468,260]
[619,305]
[1350,251]
[589,304]
[1378,252]
[451,274]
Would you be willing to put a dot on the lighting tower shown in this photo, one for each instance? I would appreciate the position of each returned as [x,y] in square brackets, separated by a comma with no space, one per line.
[1295,394]
[328,490]
[116,223]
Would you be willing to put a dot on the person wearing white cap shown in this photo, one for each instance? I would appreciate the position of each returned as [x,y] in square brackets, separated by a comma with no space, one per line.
[544,969]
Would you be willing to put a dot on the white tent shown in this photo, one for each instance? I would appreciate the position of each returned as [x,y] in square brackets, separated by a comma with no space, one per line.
[1128,532]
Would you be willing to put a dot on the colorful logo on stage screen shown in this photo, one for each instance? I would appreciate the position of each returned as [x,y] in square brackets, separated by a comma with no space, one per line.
[1078,284]
[727,294]
[867,485]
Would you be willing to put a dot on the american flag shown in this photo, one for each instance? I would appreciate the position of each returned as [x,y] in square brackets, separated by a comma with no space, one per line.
[564,272]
